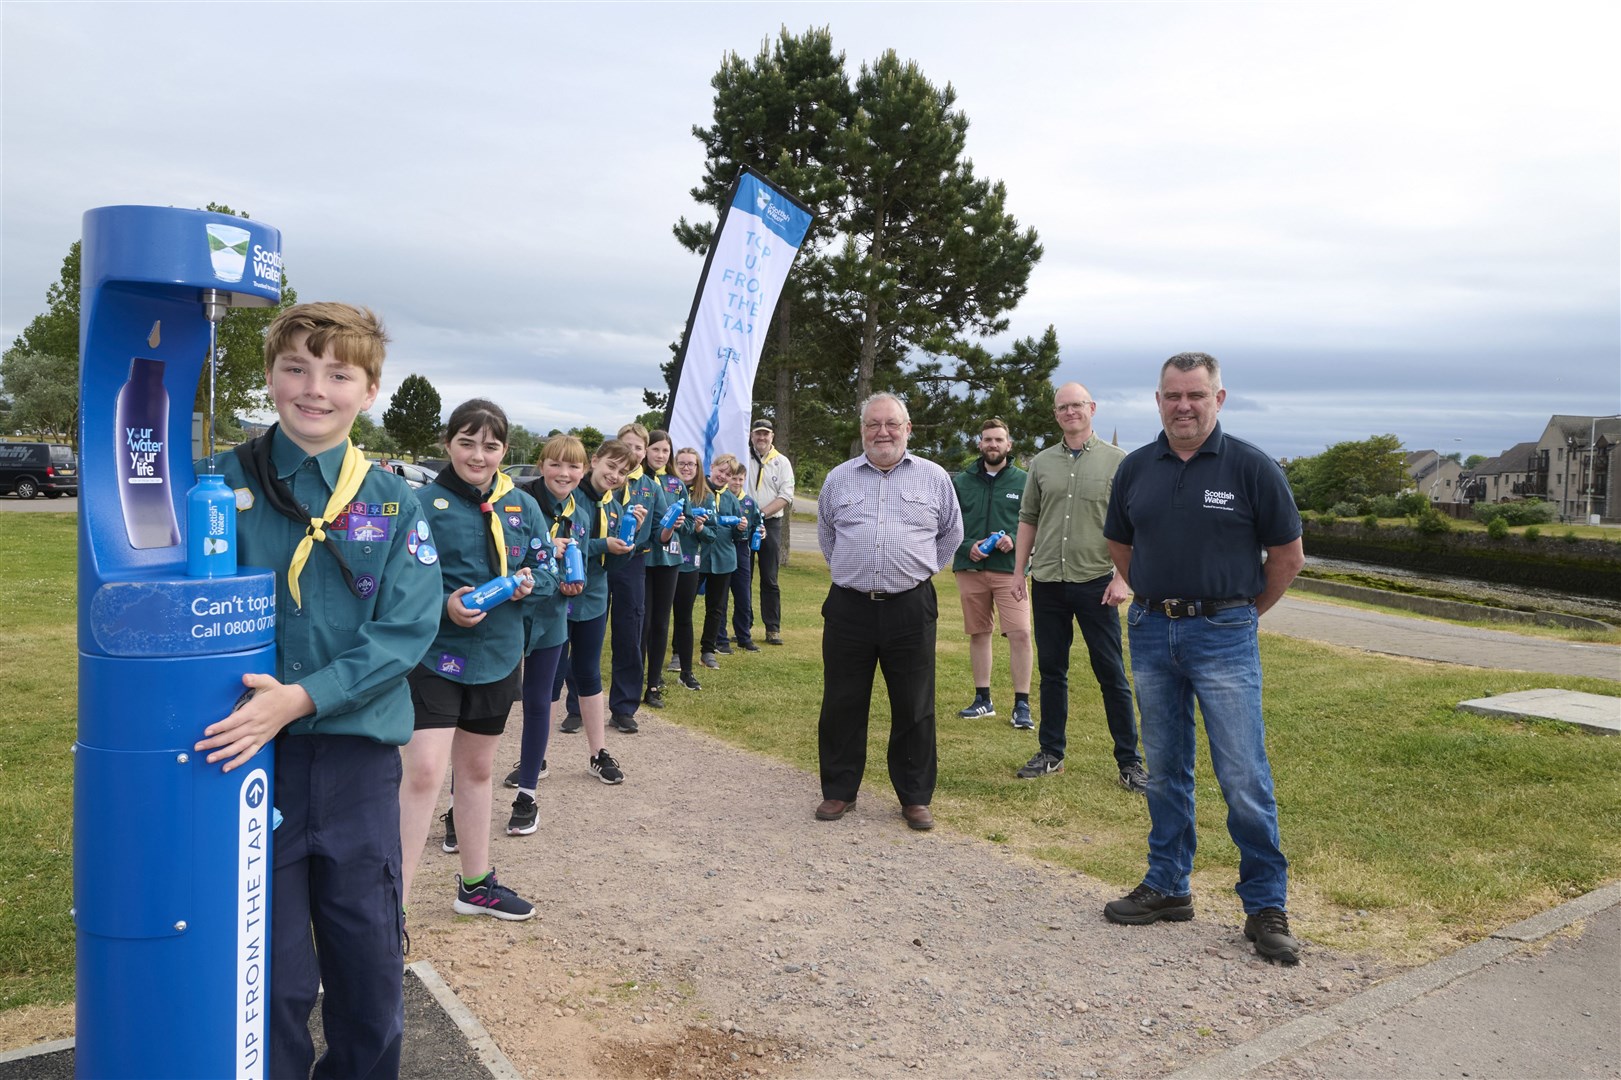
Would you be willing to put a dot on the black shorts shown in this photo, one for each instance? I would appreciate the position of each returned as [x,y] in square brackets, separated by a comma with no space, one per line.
[478,709]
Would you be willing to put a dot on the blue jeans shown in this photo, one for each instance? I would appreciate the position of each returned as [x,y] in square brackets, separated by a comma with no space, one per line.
[1215,659]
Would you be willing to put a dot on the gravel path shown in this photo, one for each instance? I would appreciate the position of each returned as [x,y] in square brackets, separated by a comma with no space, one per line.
[698,916]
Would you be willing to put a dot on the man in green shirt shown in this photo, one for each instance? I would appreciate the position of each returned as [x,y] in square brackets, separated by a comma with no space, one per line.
[1061,545]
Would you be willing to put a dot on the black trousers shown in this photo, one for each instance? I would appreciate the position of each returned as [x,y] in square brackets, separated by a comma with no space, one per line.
[1053,604]
[716,587]
[767,559]
[656,628]
[686,595]
[627,613]
[859,636]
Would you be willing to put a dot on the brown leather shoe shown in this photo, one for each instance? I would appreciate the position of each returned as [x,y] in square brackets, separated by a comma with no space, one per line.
[833,809]
[918,817]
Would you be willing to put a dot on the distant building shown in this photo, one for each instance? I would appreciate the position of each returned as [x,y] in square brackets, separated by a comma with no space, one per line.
[1572,466]
[1433,476]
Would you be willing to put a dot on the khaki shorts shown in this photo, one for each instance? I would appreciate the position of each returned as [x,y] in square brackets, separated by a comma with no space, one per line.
[980,589]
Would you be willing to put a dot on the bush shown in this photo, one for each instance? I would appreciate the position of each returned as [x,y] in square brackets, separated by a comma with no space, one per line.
[1414,502]
[1497,528]
[1345,509]
[1532,533]
[1433,523]
[1529,512]
[1570,536]
[1386,506]
[1371,522]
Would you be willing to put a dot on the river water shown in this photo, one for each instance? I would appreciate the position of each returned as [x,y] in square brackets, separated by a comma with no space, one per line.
[1485,592]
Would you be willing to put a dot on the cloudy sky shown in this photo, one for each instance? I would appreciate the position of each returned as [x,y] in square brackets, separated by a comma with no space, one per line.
[1380,216]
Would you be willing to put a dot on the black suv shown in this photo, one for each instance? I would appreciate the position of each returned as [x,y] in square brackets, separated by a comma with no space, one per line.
[29,469]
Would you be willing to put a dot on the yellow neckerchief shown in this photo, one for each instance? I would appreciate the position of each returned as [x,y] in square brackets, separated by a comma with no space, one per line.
[503,484]
[566,513]
[759,474]
[350,476]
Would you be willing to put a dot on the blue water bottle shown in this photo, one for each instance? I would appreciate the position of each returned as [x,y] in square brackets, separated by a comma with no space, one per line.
[573,565]
[988,545]
[495,591]
[210,528]
[627,527]
[699,512]
[727,521]
[676,509]
[754,541]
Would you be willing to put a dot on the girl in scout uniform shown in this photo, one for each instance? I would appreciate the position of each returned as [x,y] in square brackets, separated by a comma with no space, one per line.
[481,527]
[663,568]
[690,529]
[562,465]
[588,612]
[720,555]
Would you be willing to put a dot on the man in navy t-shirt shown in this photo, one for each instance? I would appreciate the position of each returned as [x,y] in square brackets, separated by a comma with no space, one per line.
[1189,518]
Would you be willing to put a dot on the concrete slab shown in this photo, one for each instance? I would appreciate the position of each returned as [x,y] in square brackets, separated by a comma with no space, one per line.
[1595,712]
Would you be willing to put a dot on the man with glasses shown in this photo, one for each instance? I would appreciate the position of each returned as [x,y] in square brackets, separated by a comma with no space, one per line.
[1072,581]
[1190,515]
[989,491]
[887,523]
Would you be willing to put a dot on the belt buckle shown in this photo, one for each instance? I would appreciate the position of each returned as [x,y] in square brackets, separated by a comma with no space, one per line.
[875,595]
[1172,608]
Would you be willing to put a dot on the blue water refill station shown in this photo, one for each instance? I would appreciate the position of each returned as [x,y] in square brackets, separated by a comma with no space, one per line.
[171,856]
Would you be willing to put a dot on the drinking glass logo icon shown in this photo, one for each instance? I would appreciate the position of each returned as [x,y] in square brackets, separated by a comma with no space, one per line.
[228,247]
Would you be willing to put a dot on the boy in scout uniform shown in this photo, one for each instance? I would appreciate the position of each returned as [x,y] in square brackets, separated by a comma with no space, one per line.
[357,606]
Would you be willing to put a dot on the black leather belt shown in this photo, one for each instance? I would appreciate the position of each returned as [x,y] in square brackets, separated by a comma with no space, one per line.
[1190,609]
[870,595]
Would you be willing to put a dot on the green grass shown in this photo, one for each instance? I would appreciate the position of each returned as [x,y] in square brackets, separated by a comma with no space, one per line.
[1441,826]
[38,693]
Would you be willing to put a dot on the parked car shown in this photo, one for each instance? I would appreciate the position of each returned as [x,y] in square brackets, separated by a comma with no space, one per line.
[520,473]
[415,475]
[30,469]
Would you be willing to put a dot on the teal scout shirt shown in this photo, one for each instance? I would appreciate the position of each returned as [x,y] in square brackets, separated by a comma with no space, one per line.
[488,651]
[660,553]
[349,650]
[546,617]
[641,490]
[592,532]
[719,553]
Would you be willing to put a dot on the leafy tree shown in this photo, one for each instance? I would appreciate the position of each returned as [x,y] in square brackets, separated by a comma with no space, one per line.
[652,420]
[1348,472]
[1017,386]
[44,392]
[1472,460]
[412,416]
[590,436]
[523,445]
[930,253]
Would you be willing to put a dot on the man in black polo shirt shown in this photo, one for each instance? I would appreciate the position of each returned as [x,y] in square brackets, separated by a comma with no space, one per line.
[1188,519]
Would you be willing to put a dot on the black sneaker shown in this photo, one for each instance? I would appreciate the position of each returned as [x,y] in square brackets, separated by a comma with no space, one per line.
[723,648]
[625,724]
[709,660]
[748,646]
[449,846]
[690,683]
[1134,778]
[525,817]
[674,664]
[1144,905]
[981,706]
[571,724]
[654,698]
[490,897]
[1043,764]
[1021,716]
[512,777]
[605,768]
[1269,929]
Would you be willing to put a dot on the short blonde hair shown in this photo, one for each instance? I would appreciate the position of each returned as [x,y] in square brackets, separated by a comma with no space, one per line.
[728,460]
[564,448]
[633,428]
[354,334]
[614,450]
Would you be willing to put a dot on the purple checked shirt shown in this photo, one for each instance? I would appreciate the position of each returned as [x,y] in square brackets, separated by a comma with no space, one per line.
[887,532]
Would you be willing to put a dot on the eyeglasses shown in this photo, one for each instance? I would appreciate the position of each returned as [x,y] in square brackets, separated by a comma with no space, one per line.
[873,427]
[1073,406]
